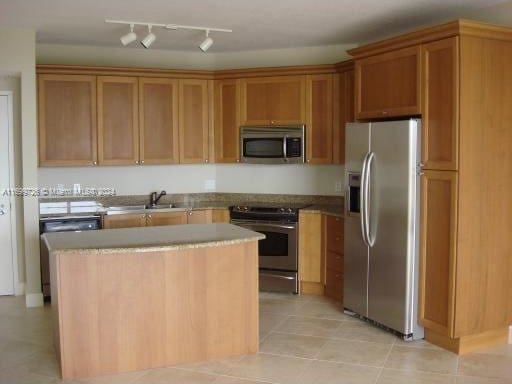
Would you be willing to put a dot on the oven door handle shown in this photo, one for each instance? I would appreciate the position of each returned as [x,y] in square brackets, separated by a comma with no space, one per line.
[277,276]
[265,225]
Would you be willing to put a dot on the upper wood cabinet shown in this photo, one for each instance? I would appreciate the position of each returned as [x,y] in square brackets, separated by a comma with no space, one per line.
[440,123]
[319,118]
[276,100]
[227,120]
[438,251]
[158,120]
[193,121]
[118,128]
[67,120]
[388,84]
[343,109]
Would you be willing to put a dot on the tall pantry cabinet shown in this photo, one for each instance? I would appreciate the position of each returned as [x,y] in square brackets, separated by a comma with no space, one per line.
[460,83]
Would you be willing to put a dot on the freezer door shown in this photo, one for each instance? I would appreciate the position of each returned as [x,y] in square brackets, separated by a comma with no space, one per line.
[393,223]
[355,296]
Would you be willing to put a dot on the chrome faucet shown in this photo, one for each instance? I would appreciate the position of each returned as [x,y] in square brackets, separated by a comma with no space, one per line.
[153,199]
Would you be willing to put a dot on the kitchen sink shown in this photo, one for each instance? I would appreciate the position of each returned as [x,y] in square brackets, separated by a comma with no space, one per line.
[127,208]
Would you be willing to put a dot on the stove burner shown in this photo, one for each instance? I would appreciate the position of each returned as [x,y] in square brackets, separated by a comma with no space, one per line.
[288,213]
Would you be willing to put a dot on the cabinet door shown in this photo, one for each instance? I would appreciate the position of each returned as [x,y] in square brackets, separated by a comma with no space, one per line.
[220,216]
[118,128]
[67,120]
[158,119]
[343,109]
[227,121]
[311,255]
[199,216]
[388,85]
[319,119]
[124,221]
[193,121]
[278,100]
[166,218]
[334,284]
[440,125]
[437,250]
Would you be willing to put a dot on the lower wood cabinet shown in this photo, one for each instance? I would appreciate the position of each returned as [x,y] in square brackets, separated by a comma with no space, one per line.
[334,244]
[153,219]
[321,254]
[128,220]
[438,251]
[166,218]
[311,258]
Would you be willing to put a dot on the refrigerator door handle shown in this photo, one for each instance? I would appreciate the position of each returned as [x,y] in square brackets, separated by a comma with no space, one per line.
[363,200]
[370,240]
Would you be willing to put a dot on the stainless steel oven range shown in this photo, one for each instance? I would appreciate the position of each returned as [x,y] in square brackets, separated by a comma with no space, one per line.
[278,252]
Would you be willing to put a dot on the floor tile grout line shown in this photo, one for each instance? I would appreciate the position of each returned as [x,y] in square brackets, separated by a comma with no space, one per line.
[384,363]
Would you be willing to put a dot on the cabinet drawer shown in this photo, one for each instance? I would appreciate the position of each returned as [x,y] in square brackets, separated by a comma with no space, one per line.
[334,261]
[334,284]
[334,234]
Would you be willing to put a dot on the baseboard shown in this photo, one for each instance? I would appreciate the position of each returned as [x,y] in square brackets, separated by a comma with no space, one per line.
[311,288]
[34,300]
[470,343]
[19,289]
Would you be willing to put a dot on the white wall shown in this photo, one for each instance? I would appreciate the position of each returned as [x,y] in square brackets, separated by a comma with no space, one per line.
[154,58]
[18,56]
[280,179]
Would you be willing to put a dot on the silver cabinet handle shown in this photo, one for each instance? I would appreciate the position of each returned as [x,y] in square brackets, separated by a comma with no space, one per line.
[136,161]
[142,161]
[2,212]
[94,163]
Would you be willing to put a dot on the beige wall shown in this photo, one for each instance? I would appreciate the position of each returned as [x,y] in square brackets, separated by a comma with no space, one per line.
[12,83]
[18,56]
[286,179]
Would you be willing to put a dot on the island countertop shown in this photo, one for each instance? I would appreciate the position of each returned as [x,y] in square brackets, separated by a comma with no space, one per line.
[150,239]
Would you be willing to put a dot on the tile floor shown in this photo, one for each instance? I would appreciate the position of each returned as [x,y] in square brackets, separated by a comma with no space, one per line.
[304,340]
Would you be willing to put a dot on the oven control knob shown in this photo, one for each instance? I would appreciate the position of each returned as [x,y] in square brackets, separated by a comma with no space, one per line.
[282,210]
[290,210]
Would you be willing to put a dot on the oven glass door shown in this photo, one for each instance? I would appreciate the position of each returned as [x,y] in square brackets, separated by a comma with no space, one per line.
[279,248]
[263,147]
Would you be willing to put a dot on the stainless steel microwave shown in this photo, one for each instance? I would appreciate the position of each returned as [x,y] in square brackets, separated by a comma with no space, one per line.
[272,144]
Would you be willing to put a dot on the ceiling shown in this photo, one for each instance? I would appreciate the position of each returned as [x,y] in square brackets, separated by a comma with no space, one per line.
[256,24]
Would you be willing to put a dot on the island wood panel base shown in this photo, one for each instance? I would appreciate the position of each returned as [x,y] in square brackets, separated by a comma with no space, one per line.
[125,311]
[467,344]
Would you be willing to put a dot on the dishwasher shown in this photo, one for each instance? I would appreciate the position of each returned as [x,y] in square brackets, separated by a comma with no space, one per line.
[61,224]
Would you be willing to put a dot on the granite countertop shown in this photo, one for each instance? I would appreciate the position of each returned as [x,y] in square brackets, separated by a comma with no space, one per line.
[328,209]
[150,239]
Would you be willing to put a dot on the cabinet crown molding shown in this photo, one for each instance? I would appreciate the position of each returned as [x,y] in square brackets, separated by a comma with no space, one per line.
[437,32]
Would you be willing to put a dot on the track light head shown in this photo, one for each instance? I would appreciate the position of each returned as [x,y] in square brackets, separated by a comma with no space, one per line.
[129,37]
[149,39]
[207,43]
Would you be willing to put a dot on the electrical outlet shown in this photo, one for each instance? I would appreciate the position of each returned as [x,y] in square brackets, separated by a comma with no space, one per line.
[209,185]
[337,186]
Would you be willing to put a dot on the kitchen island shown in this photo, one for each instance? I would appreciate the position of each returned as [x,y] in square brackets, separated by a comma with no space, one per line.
[137,298]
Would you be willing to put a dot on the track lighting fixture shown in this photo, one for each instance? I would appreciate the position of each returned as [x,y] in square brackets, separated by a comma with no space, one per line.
[207,43]
[129,37]
[150,38]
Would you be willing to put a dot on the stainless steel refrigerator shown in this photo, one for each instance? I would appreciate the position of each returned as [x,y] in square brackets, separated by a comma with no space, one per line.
[382,223]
